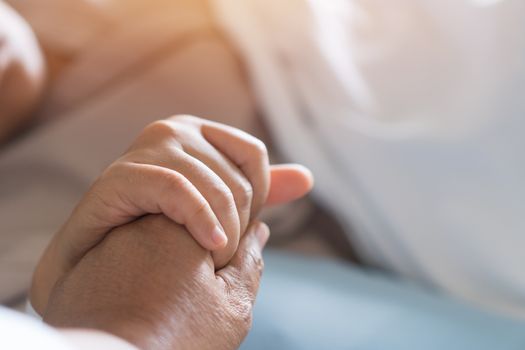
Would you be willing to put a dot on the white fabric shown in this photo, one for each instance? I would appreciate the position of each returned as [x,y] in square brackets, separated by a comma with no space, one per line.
[411,114]
[22,332]
[30,310]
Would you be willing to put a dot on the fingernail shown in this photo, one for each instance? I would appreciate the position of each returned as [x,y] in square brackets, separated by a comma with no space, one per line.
[263,234]
[219,237]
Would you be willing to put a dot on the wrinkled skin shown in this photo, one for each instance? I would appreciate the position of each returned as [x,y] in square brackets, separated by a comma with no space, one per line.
[150,283]
[174,169]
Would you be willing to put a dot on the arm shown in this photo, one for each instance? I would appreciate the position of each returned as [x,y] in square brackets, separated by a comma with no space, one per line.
[21,71]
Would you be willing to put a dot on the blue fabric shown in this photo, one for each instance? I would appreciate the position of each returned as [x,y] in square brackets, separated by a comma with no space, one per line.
[317,304]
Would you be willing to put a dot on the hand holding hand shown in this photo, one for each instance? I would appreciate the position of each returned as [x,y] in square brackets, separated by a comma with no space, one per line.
[151,284]
[210,177]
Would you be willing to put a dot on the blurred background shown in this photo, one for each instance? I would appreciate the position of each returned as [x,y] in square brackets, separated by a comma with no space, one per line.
[410,114]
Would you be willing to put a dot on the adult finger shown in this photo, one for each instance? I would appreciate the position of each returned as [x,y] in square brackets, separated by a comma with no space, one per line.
[242,275]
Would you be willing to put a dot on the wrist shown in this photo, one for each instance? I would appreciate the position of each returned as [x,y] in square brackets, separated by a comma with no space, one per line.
[142,329]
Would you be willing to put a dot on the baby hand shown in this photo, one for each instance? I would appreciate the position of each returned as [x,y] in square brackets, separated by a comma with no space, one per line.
[210,177]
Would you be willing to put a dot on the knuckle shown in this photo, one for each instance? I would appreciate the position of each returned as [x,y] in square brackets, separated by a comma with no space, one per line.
[241,310]
[179,129]
[240,301]
[117,175]
[243,195]
[256,261]
[200,210]
[259,149]
[171,179]
[228,281]
[170,182]
[224,195]
[161,128]
[185,118]
[115,169]
[244,313]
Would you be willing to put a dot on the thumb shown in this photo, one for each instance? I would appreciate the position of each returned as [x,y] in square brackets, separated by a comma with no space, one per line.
[288,182]
[243,273]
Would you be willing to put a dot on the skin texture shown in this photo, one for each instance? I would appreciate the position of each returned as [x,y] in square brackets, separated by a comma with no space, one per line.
[151,284]
[200,174]
[218,314]
[22,72]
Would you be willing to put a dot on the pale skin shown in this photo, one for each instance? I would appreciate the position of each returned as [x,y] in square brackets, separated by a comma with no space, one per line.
[201,174]
[149,283]
[72,278]
[207,180]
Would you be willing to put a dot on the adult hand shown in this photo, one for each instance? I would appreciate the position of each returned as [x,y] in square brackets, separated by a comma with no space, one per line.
[210,177]
[151,283]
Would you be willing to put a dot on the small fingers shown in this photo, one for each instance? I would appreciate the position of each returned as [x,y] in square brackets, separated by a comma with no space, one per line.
[214,190]
[232,176]
[221,200]
[140,189]
[248,153]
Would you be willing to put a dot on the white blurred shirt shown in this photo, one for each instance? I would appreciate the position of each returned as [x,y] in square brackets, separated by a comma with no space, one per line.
[412,115]
[23,332]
